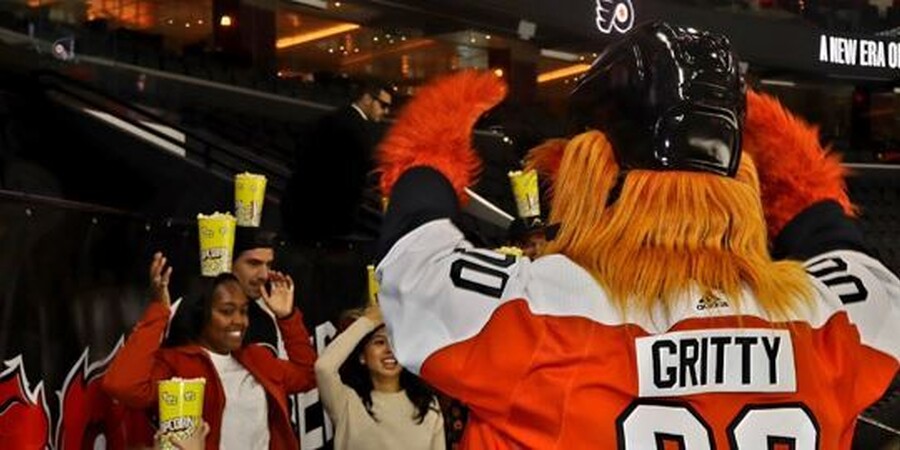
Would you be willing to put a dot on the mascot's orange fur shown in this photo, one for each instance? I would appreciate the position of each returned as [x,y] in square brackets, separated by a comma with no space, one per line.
[441,117]
[667,231]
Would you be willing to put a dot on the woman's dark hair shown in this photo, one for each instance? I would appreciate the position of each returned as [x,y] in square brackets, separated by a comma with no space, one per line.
[357,376]
[195,310]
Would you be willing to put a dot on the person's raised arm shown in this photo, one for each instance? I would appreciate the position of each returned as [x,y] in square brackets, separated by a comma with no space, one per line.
[298,368]
[333,392]
[133,373]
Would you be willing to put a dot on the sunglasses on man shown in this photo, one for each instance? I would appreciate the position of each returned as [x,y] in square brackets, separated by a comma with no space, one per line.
[385,105]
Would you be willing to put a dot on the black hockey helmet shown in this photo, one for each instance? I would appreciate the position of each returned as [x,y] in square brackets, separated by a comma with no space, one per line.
[668,98]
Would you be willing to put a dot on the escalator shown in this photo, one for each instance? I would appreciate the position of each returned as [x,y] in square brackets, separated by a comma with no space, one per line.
[63,138]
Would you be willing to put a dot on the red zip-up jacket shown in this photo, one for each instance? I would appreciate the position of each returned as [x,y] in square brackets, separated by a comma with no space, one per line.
[133,375]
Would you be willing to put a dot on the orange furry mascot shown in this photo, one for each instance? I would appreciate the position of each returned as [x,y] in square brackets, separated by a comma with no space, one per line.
[657,315]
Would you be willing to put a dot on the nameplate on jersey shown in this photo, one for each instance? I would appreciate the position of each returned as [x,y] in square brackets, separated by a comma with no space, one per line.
[721,360]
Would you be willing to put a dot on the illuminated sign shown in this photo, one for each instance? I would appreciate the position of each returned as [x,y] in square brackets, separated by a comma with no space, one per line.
[614,15]
[858,52]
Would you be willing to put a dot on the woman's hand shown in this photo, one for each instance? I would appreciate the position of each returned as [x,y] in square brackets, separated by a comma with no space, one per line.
[196,441]
[281,298]
[373,313]
[159,279]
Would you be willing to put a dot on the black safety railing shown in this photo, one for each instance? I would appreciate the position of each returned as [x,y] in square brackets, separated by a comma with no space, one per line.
[220,159]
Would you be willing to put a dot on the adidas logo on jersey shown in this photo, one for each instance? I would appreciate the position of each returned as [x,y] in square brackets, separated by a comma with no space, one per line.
[710,302]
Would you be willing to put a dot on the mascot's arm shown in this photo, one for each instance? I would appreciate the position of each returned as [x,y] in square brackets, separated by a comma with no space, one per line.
[456,314]
[803,192]
[808,215]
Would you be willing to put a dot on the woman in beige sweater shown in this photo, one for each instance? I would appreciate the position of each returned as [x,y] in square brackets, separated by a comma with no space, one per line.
[376,404]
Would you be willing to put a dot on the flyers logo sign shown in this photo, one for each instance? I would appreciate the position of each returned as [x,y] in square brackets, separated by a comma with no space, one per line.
[24,416]
[88,417]
[615,15]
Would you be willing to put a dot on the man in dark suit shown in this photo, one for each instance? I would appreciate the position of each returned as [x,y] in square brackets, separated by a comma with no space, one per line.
[326,189]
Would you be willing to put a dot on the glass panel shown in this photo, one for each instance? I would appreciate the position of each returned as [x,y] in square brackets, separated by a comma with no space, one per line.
[328,46]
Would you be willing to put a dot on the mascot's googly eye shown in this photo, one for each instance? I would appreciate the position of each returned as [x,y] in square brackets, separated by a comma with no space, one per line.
[615,14]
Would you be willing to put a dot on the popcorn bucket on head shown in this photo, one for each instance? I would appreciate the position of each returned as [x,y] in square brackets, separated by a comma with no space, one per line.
[510,250]
[180,408]
[249,198]
[216,243]
[525,190]
[373,285]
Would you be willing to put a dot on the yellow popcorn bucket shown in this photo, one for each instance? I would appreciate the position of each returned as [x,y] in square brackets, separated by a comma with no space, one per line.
[249,198]
[510,250]
[216,243]
[373,285]
[525,190]
[180,408]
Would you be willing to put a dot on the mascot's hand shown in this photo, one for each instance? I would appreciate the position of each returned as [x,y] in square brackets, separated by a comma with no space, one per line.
[795,172]
[435,129]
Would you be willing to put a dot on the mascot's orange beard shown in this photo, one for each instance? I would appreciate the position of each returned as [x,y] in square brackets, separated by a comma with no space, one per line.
[667,231]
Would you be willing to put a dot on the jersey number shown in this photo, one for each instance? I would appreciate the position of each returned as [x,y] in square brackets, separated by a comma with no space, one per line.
[482,273]
[659,426]
[833,273]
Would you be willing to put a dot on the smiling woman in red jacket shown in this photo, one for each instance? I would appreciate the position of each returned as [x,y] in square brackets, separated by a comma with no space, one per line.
[246,385]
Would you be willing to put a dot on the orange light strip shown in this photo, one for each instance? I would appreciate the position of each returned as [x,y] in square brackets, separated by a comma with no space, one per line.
[562,73]
[405,47]
[315,35]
